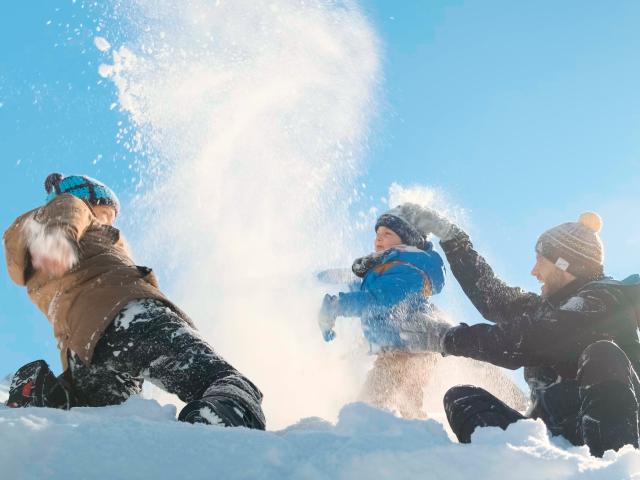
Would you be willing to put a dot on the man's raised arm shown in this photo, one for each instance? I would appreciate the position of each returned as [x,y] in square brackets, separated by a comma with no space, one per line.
[494,299]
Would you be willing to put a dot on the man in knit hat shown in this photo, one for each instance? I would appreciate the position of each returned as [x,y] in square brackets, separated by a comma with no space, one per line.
[577,340]
[113,325]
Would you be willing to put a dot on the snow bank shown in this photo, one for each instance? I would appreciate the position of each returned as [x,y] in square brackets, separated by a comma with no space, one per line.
[141,440]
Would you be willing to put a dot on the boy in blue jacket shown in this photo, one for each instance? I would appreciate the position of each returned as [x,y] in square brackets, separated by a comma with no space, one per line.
[393,304]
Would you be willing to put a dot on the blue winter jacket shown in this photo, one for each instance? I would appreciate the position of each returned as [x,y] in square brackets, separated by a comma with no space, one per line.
[393,293]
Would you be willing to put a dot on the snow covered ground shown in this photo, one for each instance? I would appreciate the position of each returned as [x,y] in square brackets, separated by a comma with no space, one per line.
[141,440]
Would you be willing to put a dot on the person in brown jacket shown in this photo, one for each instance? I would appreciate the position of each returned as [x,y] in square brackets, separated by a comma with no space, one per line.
[113,325]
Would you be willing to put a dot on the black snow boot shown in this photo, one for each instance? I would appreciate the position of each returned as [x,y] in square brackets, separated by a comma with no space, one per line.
[468,407]
[222,411]
[609,419]
[35,385]
[608,402]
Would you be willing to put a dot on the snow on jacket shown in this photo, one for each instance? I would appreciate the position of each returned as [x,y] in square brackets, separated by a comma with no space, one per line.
[398,284]
[83,302]
[546,335]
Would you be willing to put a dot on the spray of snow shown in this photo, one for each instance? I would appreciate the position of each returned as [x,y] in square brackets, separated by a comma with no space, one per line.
[252,117]
[431,197]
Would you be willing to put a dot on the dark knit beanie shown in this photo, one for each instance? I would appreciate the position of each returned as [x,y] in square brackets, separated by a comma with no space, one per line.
[83,187]
[575,247]
[401,227]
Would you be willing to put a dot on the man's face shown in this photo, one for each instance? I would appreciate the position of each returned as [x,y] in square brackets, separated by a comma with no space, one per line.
[385,239]
[551,277]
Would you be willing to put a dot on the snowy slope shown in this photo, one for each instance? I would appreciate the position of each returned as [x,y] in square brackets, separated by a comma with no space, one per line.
[4,389]
[141,440]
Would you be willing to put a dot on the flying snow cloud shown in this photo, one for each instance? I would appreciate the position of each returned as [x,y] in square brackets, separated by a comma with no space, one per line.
[251,120]
[252,117]
[426,196]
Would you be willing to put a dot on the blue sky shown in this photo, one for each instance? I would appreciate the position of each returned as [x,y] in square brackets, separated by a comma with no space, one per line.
[525,114]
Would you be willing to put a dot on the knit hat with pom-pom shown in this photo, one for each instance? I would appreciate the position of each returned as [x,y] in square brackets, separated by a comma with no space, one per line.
[83,187]
[575,247]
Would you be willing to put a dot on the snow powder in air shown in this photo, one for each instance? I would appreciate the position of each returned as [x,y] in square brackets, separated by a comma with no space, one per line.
[251,119]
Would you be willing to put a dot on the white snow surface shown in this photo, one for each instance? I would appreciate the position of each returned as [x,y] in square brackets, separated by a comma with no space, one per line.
[142,440]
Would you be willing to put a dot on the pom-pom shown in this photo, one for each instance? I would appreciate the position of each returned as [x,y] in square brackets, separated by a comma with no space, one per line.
[52,182]
[591,220]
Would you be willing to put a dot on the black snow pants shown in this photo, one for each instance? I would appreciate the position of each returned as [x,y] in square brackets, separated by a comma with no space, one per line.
[599,408]
[148,340]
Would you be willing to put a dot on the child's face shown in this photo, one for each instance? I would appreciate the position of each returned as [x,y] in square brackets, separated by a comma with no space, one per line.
[105,214]
[385,239]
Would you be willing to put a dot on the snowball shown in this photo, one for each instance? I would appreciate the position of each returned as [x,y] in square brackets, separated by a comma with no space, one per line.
[102,44]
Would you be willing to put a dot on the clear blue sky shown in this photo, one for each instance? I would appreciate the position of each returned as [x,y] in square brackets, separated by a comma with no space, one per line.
[525,113]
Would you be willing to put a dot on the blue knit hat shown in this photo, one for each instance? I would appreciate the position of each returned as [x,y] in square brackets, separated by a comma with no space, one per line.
[83,187]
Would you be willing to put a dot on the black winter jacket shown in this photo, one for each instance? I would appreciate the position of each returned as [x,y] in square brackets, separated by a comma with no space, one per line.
[546,335]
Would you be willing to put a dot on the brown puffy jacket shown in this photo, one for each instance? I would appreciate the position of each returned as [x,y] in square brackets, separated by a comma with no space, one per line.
[84,301]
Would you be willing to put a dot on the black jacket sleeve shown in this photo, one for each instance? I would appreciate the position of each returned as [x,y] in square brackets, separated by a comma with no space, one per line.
[495,300]
[556,335]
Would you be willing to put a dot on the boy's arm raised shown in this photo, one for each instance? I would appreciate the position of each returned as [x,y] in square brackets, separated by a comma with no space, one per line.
[46,239]
[67,214]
